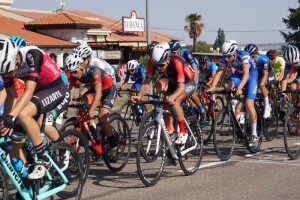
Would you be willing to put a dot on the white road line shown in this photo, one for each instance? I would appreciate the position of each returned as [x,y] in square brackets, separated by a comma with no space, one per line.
[259,153]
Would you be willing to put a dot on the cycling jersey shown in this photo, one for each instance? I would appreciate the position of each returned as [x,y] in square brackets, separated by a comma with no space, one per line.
[1,83]
[94,74]
[211,67]
[242,58]
[139,77]
[189,58]
[263,64]
[1,88]
[278,65]
[36,66]
[105,66]
[177,71]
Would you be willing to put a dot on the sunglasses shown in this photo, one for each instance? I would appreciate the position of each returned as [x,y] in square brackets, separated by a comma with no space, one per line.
[131,70]
[160,65]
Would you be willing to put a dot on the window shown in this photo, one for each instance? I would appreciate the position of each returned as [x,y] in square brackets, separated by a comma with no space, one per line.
[53,57]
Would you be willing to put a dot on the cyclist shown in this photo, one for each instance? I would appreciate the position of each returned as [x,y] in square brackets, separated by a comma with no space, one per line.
[277,64]
[180,84]
[245,75]
[208,69]
[102,91]
[292,57]
[44,90]
[187,55]
[266,75]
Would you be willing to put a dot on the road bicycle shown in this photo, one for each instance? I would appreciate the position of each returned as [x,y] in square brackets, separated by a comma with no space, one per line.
[292,125]
[154,142]
[87,139]
[228,128]
[64,178]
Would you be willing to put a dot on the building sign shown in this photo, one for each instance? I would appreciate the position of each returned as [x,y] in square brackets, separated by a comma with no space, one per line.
[133,24]
[110,55]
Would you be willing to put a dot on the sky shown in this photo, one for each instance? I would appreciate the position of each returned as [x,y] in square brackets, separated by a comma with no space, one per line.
[251,21]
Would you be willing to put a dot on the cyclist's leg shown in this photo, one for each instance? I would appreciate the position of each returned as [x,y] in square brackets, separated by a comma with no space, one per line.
[160,85]
[232,82]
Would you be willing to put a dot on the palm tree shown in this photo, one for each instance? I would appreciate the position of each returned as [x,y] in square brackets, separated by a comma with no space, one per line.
[194,28]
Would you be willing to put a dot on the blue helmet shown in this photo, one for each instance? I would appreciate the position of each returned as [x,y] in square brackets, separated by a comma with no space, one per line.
[174,45]
[20,42]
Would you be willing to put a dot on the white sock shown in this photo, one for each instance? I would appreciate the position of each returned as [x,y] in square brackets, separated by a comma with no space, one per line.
[233,104]
[253,129]
[266,101]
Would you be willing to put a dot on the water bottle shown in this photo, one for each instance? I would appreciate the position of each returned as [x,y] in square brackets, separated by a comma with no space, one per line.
[242,117]
[140,109]
[19,167]
[92,126]
[98,133]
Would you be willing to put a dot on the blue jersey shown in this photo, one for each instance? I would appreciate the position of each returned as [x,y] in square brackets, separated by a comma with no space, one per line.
[263,63]
[139,75]
[189,57]
[211,67]
[1,83]
[242,58]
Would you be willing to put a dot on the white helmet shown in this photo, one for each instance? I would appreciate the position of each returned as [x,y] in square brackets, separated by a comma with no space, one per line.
[73,62]
[229,47]
[291,54]
[8,53]
[161,53]
[83,51]
[132,64]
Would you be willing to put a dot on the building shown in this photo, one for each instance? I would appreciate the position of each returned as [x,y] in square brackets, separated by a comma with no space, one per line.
[58,32]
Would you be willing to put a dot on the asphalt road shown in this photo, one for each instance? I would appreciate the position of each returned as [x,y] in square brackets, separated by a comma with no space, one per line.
[268,174]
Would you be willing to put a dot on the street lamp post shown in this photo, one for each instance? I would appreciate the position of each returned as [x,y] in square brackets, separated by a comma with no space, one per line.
[148,23]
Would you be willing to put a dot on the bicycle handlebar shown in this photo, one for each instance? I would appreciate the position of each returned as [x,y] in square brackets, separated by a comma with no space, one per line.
[291,91]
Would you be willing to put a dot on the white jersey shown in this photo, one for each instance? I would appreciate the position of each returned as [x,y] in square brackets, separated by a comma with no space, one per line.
[103,65]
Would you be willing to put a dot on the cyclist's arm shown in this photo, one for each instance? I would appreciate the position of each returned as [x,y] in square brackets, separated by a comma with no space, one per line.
[2,96]
[10,100]
[24,99]
[245,76]
[72,91]
[145,87]
[196,73]
[264,78]
[216,79]
[280,75]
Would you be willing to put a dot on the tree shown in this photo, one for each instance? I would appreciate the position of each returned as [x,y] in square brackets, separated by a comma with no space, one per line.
[220,39]
[194,28]
[292,23]
[201,46]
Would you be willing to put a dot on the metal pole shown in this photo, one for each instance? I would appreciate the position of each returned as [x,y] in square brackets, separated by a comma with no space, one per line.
[148,23]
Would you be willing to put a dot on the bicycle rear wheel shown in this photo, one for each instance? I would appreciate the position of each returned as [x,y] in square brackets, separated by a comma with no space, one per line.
[117,160]
[224,134]
[191,153]
[151,154]
[292,133]
[3,185]
[81,145]
[271,124]
[127,113]
[67,158]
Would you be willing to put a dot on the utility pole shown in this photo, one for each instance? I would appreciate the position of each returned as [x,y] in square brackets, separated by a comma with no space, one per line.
[148,23]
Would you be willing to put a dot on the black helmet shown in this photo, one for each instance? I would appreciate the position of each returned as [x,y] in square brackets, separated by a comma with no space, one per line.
[150,47]
[203,58]
[251,49]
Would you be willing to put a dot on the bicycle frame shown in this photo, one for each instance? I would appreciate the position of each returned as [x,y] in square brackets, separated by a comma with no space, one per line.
[27,193]
[161,126]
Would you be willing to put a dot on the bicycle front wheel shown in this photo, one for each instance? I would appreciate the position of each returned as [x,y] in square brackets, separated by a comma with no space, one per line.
[118,159]
[67,158]
[81,145]
[191,153]
[292,133]
[271,124]
[151,154]
[224,134]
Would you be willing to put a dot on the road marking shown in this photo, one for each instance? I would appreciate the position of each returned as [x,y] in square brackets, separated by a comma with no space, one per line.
[259,153]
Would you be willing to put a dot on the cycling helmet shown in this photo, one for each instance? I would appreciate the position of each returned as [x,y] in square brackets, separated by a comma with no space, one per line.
[73,62]
[271,54]
[203,59]
[251,49]
[160,53]
[83,51]
[8,53]
[229,47]
[174,45]
[150,47]
[132,64]
[291,54]
[20,42]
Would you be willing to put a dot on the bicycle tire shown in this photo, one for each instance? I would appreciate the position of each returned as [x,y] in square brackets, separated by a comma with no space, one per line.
[272,124]
[74,171]
[120,127]
[190,162]
[128,114]
[150,172]
[3,184]
[259,130]
[291,133]
[224,152]
[148,117]
[80,142]
[70,124]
